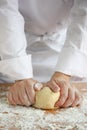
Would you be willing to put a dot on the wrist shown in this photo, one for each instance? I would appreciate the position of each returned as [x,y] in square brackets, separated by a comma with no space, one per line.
[62,75]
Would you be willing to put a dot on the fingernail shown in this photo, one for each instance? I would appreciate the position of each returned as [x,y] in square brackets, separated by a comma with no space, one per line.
[56,105]
[38,86]
[57,89]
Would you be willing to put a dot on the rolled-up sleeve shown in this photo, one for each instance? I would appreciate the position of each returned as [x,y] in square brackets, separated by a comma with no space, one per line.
[14,61]
[73,57]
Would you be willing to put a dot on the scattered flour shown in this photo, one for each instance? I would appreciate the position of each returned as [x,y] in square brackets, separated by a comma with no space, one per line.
[24,118]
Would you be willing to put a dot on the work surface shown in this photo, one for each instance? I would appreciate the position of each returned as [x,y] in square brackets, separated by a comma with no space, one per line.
[28,118]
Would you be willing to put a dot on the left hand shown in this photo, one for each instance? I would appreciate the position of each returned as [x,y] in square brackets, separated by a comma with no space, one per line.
[23,92]
[69,95]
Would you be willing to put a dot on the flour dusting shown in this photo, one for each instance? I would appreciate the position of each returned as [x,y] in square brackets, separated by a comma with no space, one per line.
[29,118]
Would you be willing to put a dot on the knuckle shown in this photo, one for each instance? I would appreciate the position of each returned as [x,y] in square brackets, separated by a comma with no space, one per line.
[64,95]
[8,99]
[64,82]
[78,97]
[27,103]
[61,101]
[71,98]
[33,101]
[25,98]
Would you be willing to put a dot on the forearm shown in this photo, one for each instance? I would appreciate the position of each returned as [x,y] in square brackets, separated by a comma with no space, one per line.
[14,63]
[73,57]
[61,75]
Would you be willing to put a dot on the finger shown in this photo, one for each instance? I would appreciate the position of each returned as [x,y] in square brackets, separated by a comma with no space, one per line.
[78,99]
[71,97]
[14,90]
[30,91]
[63,93]
[53,86]
[10,99]
[23,97]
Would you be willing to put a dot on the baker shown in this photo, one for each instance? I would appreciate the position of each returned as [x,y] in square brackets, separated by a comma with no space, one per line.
[43,41]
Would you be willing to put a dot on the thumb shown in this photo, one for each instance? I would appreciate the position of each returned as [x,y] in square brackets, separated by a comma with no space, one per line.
[38,86]
[53,86]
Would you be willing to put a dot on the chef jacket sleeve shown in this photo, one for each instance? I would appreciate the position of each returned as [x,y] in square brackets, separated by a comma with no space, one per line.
[73,57]
[14,61]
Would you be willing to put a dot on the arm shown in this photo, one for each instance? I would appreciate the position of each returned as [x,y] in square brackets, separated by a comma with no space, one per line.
[73,58]
[14,62]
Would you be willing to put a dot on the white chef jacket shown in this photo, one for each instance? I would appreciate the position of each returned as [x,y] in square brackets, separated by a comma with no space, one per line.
[53,32]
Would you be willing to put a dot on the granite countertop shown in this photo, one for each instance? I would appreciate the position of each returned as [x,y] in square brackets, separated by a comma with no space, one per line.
[28,118]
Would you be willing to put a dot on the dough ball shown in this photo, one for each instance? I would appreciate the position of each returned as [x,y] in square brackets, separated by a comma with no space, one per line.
[46,98]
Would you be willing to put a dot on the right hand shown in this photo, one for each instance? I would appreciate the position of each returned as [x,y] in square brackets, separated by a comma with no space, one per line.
[69,95]
[23,92]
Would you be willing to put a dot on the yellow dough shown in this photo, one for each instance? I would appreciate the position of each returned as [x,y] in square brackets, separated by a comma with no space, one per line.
[46,98]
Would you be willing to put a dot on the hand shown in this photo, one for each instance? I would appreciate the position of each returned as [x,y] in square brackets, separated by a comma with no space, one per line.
[69,95]
[23,92]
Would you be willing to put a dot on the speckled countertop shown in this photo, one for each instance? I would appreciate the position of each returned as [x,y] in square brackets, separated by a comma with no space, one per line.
[28,118]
